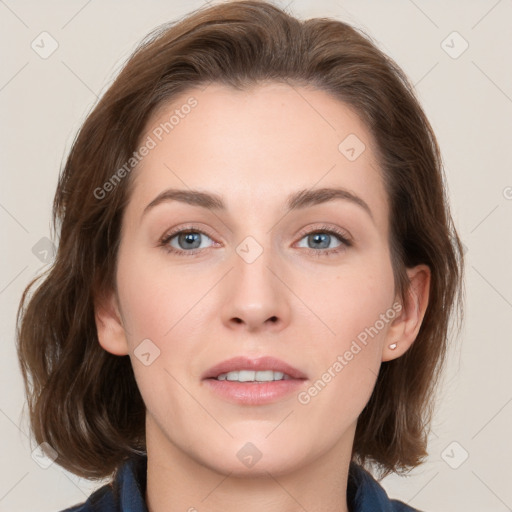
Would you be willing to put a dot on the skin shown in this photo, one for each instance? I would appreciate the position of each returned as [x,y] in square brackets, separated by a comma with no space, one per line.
[255,148]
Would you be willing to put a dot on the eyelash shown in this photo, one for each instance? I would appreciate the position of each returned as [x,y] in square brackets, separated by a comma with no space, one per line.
[164,242]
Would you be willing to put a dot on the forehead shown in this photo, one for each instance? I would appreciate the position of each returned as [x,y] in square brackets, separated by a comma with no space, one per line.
[257,146]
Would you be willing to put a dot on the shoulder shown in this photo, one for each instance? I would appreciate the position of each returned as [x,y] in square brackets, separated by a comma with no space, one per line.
[399,506]
[365,494]
[101,500]
[125,493]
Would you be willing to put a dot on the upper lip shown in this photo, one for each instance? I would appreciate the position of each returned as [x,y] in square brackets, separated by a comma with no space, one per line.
[255,364]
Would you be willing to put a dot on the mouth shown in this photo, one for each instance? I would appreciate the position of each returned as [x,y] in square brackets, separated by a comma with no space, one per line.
[250,381]
[253,376]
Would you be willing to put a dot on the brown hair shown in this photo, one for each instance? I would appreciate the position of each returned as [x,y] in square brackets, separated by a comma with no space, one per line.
[83,400]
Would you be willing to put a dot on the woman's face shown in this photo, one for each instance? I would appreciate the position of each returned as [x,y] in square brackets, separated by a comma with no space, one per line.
[276,265]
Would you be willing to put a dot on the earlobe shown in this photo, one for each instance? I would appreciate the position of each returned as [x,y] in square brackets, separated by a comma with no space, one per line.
[109,325]
[404,329]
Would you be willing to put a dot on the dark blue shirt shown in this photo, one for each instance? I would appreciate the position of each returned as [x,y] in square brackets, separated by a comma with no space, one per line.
[127,492]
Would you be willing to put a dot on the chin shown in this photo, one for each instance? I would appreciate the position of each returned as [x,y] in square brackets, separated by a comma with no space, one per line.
[250,457]
[274,465]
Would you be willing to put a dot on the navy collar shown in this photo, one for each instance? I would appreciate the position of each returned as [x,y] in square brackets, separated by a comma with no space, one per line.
[128,490]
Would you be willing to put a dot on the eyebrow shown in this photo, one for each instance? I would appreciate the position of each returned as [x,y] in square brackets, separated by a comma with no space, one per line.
[296,201]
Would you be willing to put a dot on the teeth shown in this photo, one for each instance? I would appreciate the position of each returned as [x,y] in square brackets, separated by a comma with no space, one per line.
[251,376]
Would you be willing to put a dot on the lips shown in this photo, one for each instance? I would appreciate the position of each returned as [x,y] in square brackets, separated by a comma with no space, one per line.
[255,364]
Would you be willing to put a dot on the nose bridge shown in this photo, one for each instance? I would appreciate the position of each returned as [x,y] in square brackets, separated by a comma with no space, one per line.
[255,296]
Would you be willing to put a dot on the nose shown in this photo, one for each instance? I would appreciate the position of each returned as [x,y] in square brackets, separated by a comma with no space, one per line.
[256,298]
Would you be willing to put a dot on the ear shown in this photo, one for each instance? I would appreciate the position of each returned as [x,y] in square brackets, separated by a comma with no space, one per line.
[405,327]
[109,324]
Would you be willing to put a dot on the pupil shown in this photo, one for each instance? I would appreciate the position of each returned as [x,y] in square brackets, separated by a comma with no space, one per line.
[190,238]
[318,236]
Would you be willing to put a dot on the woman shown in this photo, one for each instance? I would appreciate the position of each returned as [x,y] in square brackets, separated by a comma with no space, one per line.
[256,270]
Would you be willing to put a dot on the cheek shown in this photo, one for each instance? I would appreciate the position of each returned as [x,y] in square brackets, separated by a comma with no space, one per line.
[356,307]
[156,306]
[347,360]
[162,312]
[154,297]
[354,301]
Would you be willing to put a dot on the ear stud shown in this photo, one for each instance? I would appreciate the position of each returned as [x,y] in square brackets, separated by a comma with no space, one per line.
[393,346]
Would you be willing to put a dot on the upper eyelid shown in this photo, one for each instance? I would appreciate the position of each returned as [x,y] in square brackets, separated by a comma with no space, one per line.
[194,229]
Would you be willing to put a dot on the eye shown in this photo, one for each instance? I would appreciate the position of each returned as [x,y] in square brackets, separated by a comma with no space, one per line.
[187,241]
[319,241]
[190,241]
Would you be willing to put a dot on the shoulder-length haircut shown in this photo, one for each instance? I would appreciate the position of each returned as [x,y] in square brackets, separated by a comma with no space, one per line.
[84,401]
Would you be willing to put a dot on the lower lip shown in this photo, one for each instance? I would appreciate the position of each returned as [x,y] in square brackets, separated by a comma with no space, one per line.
[254,393]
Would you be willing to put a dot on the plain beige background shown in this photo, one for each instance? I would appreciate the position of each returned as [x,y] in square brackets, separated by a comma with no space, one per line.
[467,95]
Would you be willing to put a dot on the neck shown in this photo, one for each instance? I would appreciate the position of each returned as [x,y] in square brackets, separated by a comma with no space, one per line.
[179,480]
